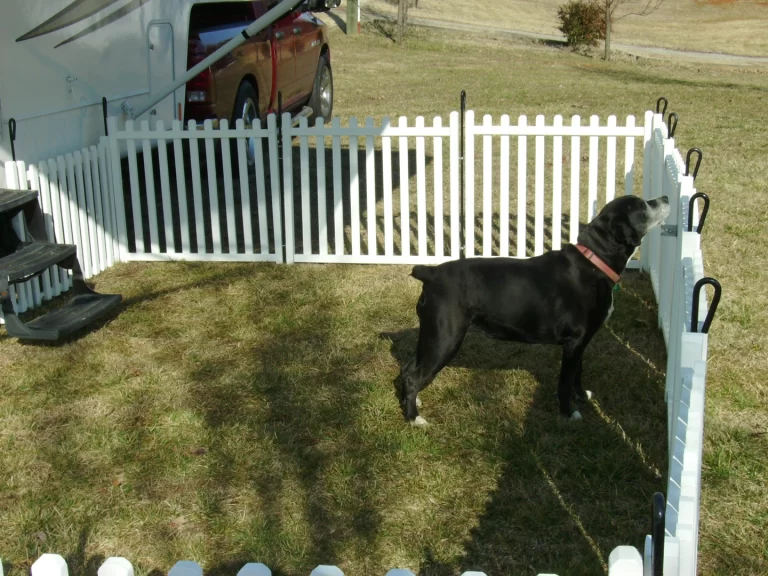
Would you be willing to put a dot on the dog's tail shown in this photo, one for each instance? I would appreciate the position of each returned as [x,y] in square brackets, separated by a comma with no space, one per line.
[423,273]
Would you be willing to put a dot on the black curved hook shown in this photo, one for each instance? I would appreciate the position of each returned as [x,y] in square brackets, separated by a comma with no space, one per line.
[688,162]
[692,207]
[672,127]
[712,306]
[665,105]
[12,132]
[658,510]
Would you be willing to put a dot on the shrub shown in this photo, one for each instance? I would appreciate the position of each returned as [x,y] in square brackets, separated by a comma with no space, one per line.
[582,22]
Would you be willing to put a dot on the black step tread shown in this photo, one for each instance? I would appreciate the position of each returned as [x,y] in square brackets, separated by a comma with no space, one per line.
[11,199]
[33,258]
[76,314]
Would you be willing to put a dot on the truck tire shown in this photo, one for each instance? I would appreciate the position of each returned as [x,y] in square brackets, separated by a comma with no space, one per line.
[247,109]
[321,100]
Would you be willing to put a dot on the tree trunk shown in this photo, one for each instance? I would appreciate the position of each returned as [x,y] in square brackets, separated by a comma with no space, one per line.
[607,31]
[400,20]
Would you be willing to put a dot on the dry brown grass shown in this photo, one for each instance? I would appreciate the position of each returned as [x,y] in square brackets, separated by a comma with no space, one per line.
[728,27]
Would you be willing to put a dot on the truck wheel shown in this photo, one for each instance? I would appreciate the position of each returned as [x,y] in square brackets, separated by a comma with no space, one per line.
[247,109]
[321,100]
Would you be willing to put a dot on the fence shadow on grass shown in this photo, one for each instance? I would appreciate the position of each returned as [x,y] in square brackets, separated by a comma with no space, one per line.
[568,490]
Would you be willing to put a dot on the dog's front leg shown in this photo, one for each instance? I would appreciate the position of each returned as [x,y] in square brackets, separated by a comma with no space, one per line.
[569,376]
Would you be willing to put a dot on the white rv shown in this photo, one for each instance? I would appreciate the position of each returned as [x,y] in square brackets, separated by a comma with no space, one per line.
[60,58]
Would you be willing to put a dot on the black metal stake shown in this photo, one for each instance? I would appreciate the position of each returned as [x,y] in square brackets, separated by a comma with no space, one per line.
[462,145]
[692,207]
[688,162]
[104,113]
[672,127]
[12,132]
[712,306]
[657,534]
[658,105]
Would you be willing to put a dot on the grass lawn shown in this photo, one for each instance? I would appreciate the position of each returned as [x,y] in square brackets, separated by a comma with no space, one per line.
[237,413]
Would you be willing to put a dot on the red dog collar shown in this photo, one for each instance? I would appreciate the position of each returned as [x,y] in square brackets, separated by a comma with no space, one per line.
[595,259]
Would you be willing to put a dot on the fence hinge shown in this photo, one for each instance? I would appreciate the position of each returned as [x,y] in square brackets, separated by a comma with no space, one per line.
[669,230]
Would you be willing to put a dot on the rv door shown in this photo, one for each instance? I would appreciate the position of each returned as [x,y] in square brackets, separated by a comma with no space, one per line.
[160,57]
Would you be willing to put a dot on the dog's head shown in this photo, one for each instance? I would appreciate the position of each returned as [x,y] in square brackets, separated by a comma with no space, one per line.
[620,226]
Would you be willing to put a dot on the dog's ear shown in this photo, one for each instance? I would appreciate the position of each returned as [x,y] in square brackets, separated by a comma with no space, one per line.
[627,235]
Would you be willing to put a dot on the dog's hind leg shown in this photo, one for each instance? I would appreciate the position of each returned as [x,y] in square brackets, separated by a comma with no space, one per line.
[578,391]
[570,375]
[440,336]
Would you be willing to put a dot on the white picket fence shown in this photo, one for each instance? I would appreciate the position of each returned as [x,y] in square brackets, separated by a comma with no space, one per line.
[339,204]
[623,561]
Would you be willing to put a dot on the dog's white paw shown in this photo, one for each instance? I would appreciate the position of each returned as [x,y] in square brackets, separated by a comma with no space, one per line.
[575,416]
[418,402]
[419,421]
[589,394]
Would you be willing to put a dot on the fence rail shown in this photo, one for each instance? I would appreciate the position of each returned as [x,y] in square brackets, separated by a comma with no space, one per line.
[393,193]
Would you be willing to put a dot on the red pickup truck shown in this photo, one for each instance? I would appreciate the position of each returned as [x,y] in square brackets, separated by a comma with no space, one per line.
[291,57]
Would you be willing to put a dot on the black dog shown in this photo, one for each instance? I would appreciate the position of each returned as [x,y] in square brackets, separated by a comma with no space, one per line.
[561,297]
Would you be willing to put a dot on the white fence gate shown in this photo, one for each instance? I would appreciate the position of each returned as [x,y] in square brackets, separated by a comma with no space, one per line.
[265,196]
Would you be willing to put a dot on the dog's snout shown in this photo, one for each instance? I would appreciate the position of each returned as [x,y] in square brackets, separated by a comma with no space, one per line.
[664,199]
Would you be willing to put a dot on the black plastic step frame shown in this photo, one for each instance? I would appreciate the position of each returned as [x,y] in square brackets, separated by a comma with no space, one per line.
[34,227]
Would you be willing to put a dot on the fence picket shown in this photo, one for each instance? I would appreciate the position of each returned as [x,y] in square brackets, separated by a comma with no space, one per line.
[197,191]
[290,237]
[229,190]
[487,189]
[594,122]
[165,188]
[91,212]
[338,205]
[421,190]
[245,192]
[74,211]
[469,184]
[405,209]
[504,190]
[58,215]
[322,206]
[306,216]
[51,285]
[557,186]
[522,170]
[354,189]
[573,227]
[149,183]
[133,174]
[370,181]
[454,148]
[437,147]
[274,167]
[389,223]
[101,247]
[539,192]
[181,191]
[610,163]
[84,252]
[629,160]
[213,186]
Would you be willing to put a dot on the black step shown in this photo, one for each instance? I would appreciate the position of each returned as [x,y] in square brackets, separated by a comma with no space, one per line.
[76,314]
[33,259]
[13,199]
